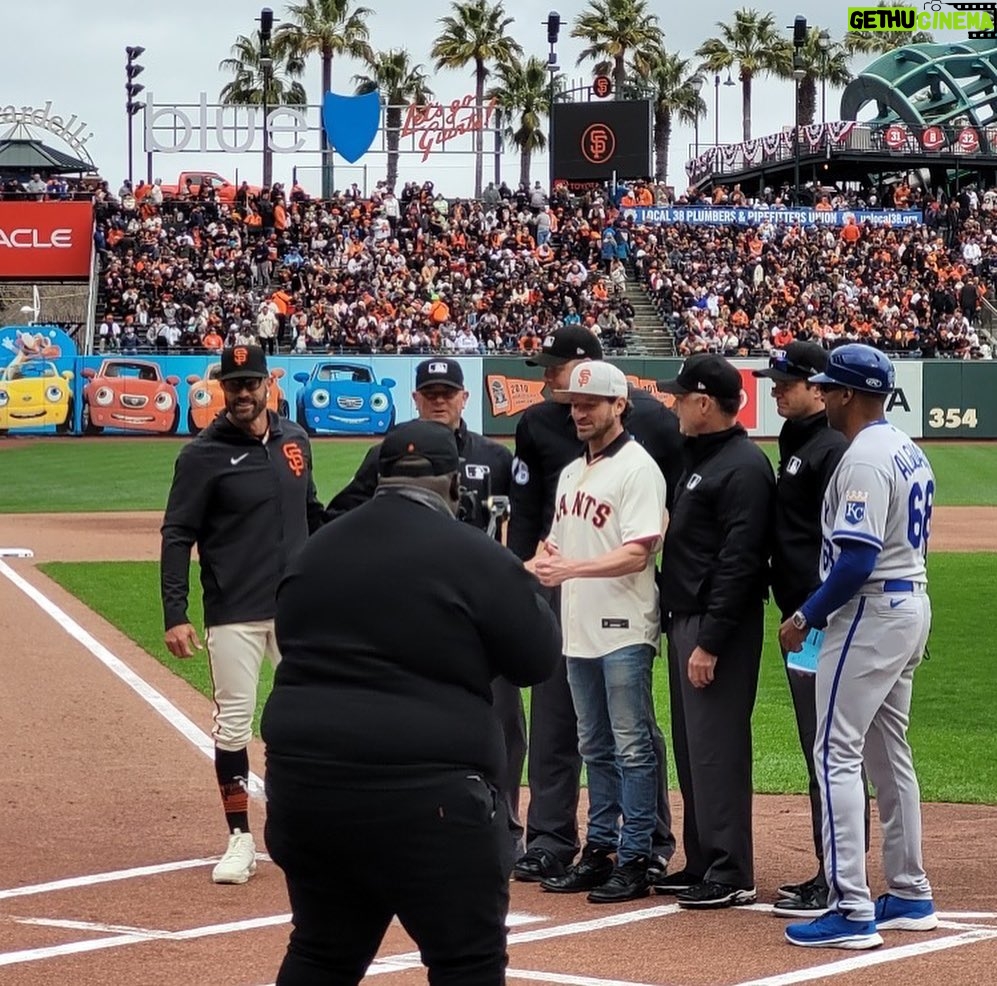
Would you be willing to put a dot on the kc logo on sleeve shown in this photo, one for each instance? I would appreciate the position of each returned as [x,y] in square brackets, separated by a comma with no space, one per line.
[855,501]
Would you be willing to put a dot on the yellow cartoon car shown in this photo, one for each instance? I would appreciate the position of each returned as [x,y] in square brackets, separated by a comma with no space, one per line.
[34,394]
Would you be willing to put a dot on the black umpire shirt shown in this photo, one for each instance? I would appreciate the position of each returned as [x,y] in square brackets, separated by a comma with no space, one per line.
[546,441]
[715,557]
[363,700]
[809,452]
[486,468]
[249,507]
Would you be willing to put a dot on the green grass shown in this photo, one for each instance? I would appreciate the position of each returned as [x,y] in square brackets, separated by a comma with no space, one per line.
[135,474]
[952,731]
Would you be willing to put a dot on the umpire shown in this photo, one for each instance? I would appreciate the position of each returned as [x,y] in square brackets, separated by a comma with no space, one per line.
[485,472]
[381,738]
[546,441]
[809,452]
[714,581]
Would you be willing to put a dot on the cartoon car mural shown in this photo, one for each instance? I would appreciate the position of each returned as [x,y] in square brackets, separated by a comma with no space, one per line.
[206,399]
[131,395]
[33,394]
[344,398]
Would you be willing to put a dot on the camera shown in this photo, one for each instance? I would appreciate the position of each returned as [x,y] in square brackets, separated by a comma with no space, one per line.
[479,506]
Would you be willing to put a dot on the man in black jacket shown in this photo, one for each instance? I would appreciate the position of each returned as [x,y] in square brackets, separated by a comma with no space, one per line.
[486,471]
[809,452]
[714,581]
[243,493]
[382,743]
[546,441]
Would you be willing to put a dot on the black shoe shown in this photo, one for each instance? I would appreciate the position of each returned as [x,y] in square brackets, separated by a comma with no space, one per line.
[675,883]
[709,895]
[592,870]
[628,881]
[788,890]
[537,865]
[657,867]
[810,902]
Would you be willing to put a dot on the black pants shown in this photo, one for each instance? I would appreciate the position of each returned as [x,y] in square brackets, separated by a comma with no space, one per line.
[508,705]
[353,859]
[554,772]
[711,741]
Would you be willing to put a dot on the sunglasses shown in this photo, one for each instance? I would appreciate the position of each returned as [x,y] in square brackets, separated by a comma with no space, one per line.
[778,360]
[237,384]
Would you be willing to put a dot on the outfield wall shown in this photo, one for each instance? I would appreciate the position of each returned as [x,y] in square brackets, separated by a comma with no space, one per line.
[58,391]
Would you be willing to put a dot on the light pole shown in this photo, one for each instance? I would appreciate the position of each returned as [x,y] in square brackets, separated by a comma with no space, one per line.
[266,66]
[696,84]
[799,40]
[824,41]
[132,89]
[716,110]
[553,24]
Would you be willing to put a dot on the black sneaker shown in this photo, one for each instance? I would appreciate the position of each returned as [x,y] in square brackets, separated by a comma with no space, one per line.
[788,890]
[592,870]
[810,902]
[676,882]
[657,867]
[709,895]
[628,881]
[537,865]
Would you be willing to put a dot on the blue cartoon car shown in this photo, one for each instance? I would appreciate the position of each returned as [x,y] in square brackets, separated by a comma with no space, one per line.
[344,399]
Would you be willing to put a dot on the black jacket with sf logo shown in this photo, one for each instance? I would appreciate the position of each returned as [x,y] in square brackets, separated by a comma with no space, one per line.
[249,507]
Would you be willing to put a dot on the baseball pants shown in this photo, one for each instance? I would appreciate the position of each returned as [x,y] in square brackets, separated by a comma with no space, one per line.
[711,740]
[865,676]
[235,657]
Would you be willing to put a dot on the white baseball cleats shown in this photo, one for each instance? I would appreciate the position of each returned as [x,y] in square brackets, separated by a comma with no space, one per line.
[239,862]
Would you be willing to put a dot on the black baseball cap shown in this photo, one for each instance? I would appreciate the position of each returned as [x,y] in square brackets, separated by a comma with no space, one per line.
[439,371]
[243,361]
[705,373]
[565,344]
[418,448]
[798,361]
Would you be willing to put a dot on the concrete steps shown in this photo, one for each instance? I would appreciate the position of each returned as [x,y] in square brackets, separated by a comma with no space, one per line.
[650,337]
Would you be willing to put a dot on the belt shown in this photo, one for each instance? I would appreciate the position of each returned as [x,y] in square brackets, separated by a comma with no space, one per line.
[904,585]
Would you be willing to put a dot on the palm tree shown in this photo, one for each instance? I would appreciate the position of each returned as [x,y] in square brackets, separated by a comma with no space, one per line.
[254,86]
[753,42]
[667,78]
[824,61]
[522,93]
[881,42]
[400,84]
[614,30]
[327,28]
[476,32]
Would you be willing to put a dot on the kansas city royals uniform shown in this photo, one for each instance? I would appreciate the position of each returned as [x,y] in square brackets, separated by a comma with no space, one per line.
[881,495]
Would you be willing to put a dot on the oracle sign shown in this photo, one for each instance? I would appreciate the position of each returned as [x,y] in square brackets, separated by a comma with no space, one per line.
[45,240]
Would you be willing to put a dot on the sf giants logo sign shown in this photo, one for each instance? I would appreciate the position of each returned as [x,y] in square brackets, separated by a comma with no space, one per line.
[295,458]
[598,143]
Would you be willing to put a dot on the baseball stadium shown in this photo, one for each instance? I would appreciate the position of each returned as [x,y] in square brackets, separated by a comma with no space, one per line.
[333,249]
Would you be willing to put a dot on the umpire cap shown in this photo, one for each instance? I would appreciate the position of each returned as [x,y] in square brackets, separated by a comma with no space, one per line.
[798,361]
[858,367]
[569,342]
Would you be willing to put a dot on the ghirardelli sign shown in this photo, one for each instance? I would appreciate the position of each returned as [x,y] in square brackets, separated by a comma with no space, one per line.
[70,129]
[45,240]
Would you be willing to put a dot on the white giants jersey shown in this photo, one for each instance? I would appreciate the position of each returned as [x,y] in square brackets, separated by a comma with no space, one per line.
[881,494]
[616,499]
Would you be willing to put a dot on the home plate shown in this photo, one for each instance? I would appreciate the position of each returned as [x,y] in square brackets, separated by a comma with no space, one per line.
[16,553]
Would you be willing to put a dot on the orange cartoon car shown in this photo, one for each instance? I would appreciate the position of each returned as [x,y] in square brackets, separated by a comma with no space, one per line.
[131,395]
[206,399]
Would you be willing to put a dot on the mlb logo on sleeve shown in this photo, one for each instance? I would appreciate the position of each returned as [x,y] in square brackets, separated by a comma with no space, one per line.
[694,480]
[793,466]
[476,472]
[855,501]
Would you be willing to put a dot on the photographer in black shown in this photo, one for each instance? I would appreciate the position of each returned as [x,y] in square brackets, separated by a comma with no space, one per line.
[485,477]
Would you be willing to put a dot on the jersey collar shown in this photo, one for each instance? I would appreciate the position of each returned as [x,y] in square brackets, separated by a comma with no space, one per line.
[610,450]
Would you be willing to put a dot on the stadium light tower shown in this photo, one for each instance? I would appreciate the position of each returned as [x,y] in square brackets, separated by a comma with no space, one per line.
[132,89]
[799,73]
[553,24]
[266,67]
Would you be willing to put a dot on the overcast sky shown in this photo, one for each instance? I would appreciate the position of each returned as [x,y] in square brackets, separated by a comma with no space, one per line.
[74,56]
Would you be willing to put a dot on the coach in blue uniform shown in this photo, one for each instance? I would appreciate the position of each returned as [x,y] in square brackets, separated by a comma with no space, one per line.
[875,525]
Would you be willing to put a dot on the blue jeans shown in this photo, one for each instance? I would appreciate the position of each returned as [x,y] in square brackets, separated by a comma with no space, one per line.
[612,697]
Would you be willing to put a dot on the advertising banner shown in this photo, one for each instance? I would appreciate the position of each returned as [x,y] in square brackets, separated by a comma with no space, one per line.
[37,380]
[708,215]
[40,240]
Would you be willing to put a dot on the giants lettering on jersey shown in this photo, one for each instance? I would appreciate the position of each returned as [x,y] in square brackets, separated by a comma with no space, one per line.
[586,507]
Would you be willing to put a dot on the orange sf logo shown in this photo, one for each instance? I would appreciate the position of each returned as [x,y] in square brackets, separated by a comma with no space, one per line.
[598,143]
[295,458]
[602,86]
[584,376]
[240,354]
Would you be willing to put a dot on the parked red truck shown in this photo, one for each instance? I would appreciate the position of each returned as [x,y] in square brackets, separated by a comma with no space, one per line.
[224,189]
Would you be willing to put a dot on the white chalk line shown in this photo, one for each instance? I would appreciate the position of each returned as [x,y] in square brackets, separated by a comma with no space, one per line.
[180,722]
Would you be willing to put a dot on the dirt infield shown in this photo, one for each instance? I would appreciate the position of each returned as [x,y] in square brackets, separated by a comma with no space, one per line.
[110,826]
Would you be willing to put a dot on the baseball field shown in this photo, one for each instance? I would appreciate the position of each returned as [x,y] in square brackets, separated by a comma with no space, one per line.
[111,819]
